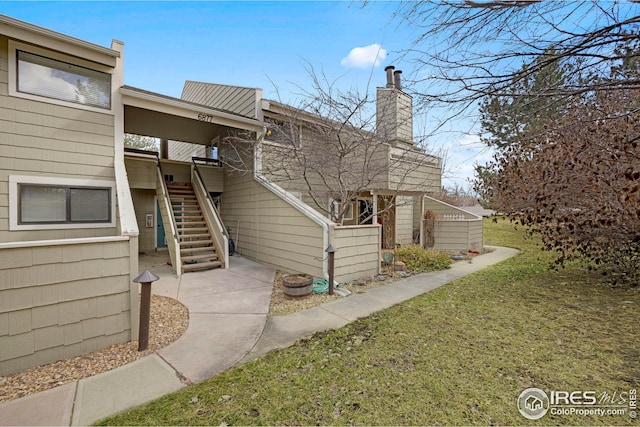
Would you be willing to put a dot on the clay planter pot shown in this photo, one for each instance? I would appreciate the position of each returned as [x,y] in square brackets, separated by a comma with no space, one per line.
[297,285]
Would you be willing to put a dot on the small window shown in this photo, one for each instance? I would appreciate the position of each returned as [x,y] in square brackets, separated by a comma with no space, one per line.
[334,208]
[50,78]
[48,204]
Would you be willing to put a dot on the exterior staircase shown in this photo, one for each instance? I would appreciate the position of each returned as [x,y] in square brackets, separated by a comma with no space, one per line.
[197,251]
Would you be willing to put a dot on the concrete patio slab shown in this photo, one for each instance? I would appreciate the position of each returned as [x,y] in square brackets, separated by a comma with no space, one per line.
[245,301]
[213,343]
[285,330]
[48,408]
[123,388]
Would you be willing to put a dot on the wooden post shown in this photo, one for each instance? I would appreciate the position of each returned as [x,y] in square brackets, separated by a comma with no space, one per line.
[145,309]
[331,251]
[145,279]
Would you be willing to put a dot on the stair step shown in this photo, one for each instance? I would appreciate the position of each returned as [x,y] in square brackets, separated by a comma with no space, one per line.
[211,256]
[184,211]
[196,249]
[189,231]
[198,241]
[180,187]
[181,193]
[201,266]
[187,218]
[196,245]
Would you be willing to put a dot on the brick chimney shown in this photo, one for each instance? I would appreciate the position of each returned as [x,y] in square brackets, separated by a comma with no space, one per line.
[394,109]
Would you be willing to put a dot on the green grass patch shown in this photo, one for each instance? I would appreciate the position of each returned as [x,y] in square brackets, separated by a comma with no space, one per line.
[422,260]
[459,355]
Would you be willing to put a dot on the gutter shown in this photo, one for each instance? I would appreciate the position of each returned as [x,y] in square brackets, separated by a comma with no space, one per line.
[312,214]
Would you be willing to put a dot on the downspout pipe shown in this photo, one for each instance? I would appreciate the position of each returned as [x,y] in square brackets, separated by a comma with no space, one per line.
[310,213]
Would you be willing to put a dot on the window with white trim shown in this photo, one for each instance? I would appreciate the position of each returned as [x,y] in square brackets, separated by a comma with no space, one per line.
[48,76]
[39,75]
[334,208]
[48,204]
[55,203]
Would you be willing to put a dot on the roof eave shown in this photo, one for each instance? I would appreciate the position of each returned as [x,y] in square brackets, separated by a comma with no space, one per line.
[34,34]
[219,117]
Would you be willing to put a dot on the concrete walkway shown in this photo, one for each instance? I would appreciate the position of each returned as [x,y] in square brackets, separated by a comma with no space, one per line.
[229,324]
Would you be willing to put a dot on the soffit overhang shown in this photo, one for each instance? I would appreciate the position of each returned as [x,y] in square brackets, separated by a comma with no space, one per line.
[161,116]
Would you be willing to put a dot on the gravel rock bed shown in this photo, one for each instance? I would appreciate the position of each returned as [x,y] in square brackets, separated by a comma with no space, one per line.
[168,321]
[283,304]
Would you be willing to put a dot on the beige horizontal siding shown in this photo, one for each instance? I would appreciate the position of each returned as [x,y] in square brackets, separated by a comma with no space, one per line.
[458,235]
[181,171]
[213,178]
[417,211]
[405,175]
[404,220]
[462,231]
[144,203]
[269,230]
[141,173]
[61,301]
[358,252]
[476,235]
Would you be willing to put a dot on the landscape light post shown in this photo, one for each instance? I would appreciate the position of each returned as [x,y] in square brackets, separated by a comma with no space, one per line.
[331,251]
[145,279]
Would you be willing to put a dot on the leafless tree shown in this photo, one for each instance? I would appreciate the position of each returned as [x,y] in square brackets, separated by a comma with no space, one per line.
[141,142]
[327,148]
[456,195]
[464,51]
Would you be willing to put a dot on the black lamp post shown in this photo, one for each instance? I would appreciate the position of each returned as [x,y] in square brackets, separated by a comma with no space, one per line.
[145,279]
[331,251]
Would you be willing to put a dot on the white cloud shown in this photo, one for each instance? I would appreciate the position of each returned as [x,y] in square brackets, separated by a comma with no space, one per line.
[364,57]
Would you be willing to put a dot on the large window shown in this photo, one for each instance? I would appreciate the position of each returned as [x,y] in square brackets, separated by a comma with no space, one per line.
[45,204]
[37,203]
[39,75]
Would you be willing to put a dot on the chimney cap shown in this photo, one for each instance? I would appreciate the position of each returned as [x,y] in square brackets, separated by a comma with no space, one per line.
[389,70]
[397,81]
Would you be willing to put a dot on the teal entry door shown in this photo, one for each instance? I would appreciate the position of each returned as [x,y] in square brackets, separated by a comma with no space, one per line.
[161,239]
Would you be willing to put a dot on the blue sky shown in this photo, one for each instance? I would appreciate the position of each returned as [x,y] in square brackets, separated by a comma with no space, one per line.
[254,44]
